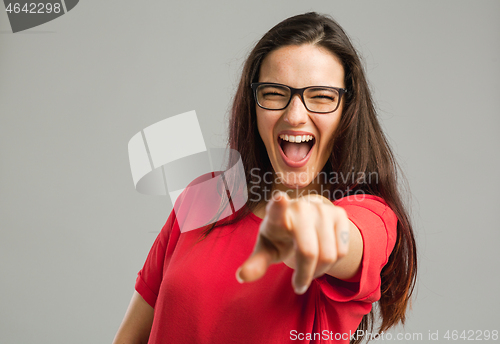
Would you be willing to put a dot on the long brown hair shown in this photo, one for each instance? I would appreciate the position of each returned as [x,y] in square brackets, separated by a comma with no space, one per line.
[359,148]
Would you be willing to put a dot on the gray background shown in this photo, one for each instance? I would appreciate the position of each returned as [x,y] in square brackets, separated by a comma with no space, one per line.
[74,232]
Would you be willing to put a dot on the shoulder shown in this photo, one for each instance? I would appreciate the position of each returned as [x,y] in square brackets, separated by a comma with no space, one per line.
[375,204]
[363,200]
[207,199]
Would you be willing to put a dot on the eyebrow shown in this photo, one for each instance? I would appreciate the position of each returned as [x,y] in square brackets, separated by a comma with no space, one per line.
[314,86]
[322,87]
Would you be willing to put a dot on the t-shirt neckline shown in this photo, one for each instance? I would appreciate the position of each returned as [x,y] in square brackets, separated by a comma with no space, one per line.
[254,217]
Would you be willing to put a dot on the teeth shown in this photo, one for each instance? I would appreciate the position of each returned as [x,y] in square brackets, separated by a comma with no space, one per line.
[296,139]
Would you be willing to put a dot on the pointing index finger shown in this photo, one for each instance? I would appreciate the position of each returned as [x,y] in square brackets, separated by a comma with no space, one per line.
[276,210]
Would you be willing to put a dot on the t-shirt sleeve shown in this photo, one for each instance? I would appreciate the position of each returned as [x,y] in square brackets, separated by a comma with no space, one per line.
[377,224]
[149,278]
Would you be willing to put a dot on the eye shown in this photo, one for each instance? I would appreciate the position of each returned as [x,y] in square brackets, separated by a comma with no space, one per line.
[324,96]
[272,92]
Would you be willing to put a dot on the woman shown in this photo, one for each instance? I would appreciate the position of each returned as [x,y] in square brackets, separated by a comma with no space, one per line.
[324,233]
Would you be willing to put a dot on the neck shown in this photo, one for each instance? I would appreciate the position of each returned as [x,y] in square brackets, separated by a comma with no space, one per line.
[313,188]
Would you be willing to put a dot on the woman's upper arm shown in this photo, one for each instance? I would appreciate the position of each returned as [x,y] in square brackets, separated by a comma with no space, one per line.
[136,325]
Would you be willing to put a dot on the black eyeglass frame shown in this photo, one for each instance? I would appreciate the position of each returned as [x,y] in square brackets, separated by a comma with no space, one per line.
[293,91]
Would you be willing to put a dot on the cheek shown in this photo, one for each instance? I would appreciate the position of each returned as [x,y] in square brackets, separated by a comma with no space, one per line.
[328,132]
[265,126]
[260,126]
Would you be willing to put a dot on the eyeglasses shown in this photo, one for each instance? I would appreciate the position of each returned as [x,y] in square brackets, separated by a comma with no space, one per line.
[317,99]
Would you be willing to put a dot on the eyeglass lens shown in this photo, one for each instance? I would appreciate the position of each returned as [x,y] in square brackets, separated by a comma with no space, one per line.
[317,99]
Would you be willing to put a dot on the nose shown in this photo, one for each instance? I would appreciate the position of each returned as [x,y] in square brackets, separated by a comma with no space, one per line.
[296,112]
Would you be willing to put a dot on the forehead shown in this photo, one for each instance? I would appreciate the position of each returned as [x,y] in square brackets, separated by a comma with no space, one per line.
[301,66]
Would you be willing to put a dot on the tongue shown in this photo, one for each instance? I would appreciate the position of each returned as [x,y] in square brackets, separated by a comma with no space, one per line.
[295,151]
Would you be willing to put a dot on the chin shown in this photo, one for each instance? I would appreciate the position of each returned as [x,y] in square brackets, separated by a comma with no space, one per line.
[293,183]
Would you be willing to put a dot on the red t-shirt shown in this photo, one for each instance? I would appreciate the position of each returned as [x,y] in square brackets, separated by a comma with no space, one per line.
[196,298]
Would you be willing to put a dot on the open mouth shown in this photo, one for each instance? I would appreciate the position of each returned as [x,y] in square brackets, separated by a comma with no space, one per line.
[296,148]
